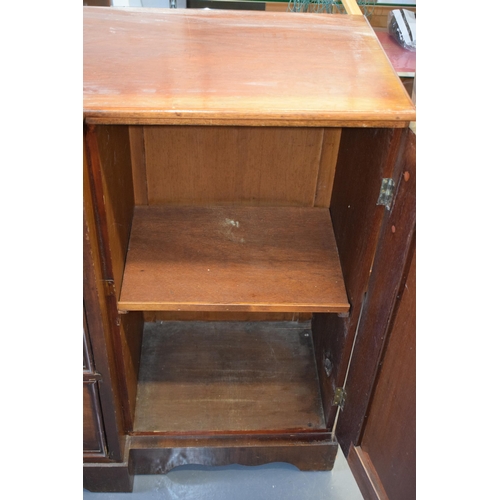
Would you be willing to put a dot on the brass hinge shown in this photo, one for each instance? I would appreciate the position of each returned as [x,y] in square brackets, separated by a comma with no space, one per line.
[386,193]
[92,377]
[339,397]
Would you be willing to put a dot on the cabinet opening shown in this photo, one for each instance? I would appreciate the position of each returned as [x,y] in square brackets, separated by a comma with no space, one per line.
[225,224]
[199,378]
[206,219]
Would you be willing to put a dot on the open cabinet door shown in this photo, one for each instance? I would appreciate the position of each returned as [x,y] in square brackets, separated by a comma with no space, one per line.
[376,426]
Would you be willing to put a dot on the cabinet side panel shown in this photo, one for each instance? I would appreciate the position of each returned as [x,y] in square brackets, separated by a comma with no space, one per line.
[118,192]
[232,165]
[365,157]
[111,188]
[100,352]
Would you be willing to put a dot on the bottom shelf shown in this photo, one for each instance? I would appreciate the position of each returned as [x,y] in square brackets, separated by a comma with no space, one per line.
[227,377]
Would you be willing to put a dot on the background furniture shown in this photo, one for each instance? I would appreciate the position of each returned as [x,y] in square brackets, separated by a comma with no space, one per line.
[97,3]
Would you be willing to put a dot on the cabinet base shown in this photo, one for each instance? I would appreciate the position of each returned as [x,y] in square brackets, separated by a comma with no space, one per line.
[305,456]
[107,477]
[118,477]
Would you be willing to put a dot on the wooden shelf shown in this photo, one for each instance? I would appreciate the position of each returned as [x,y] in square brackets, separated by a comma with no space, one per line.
[229,377]
[281,259]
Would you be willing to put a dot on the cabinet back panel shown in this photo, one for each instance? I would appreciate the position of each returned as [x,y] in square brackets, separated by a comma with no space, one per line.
[152,316]
[238,165]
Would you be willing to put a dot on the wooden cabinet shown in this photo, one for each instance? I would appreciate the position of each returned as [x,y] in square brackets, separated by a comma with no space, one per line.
[235,193]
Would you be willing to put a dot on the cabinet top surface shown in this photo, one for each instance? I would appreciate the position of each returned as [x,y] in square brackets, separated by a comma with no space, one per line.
[236,67]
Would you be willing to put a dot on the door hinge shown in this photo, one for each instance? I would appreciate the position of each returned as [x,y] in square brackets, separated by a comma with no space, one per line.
[339,397]
[386,193]
[92,377]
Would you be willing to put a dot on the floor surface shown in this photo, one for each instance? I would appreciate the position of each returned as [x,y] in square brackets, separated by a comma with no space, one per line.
[236,482]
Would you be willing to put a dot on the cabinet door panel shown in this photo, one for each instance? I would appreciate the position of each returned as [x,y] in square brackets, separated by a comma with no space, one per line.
[87,358]
[93,436]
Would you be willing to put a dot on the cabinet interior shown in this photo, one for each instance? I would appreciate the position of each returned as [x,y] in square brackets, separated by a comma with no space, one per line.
[228,377]
[220,246]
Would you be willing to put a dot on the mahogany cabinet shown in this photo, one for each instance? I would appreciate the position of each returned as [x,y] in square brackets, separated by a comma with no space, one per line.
[239,172]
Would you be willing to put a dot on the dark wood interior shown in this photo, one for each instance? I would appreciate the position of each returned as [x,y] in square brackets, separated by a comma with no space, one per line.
[277,166]
[245,251]
[227,378]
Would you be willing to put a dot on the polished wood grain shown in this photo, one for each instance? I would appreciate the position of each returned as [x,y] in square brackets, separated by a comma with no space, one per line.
[281,259]
[366,476]
[389,271]
[389,437]
[244,68]
[305,456]
[203,378]
[237,165]
[264,122]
